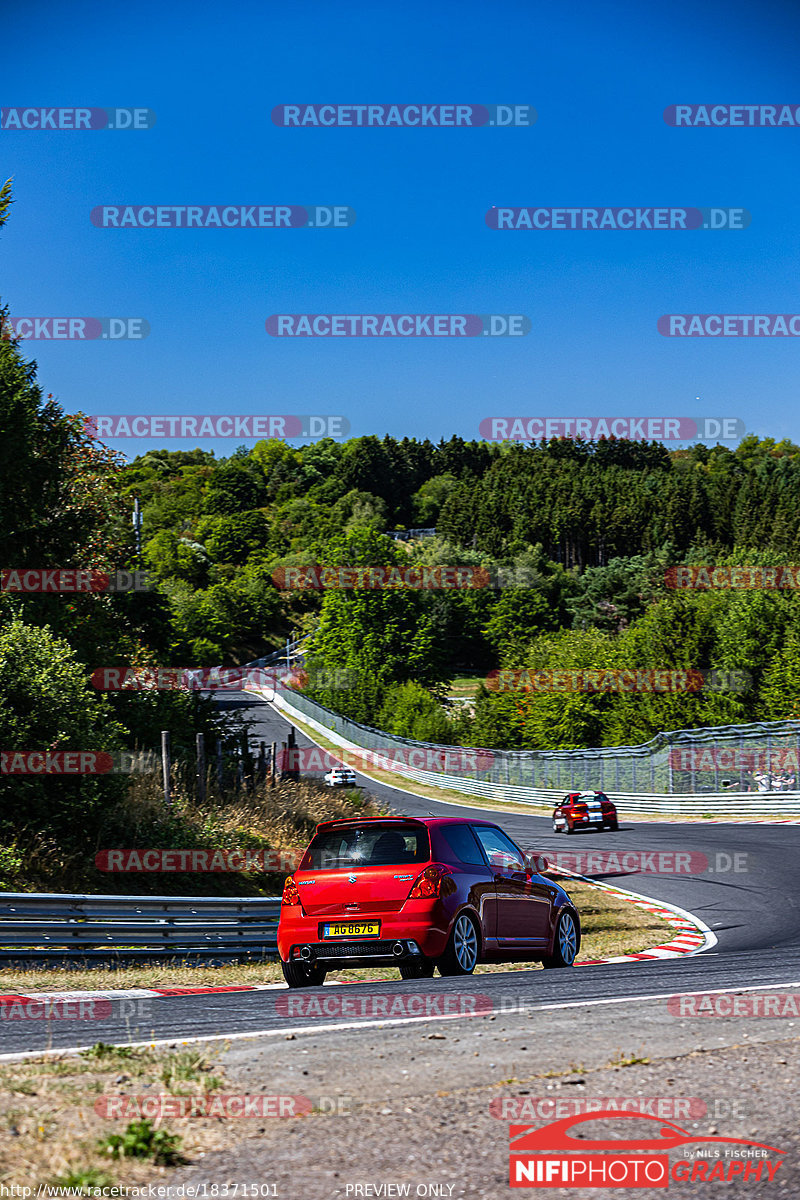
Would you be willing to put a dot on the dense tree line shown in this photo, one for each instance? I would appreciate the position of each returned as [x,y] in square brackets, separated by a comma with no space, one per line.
[584,533]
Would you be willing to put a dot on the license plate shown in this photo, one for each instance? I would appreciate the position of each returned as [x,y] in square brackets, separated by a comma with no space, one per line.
[352,929]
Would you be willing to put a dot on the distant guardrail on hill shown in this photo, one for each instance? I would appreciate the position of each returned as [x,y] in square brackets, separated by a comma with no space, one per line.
[403,535]
[739,769]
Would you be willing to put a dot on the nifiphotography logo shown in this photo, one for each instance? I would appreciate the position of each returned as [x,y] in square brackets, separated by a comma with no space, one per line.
[641,1161]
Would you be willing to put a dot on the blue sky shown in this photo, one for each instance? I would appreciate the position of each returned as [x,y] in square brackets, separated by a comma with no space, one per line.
[599,77]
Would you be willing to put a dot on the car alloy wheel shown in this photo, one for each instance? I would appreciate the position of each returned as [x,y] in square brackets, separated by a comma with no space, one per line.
[461,955]
[466,944]
[565,943]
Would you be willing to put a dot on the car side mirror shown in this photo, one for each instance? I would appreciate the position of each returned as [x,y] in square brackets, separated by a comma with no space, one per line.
[536,863]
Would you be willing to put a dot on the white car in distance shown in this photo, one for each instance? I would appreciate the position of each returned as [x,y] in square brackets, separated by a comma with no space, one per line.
[341,777]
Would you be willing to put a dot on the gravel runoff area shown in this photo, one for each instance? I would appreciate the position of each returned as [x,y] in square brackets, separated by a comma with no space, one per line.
[414,1105]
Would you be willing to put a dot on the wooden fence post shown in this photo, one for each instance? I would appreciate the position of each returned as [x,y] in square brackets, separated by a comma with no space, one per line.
[166,764]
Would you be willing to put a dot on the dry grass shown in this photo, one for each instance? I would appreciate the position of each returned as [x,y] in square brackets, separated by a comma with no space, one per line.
[49,1130]
[281,818]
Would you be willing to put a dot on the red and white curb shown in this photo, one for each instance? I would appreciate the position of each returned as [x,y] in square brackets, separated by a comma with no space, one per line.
[45,998]
[694,936]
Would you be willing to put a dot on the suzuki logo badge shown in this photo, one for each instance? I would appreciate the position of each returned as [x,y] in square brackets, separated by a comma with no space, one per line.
[351,878]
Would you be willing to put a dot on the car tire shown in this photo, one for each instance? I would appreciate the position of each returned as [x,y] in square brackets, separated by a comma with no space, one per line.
[569,827]
[417,968]
[300,974]
[566,942]
[463,948]
[613,827]
[556,828]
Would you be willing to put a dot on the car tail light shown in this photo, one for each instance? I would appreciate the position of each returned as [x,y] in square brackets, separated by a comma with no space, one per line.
[429,884]
[291,895]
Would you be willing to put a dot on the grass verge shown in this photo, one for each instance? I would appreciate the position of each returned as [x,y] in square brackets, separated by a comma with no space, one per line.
[51,1134]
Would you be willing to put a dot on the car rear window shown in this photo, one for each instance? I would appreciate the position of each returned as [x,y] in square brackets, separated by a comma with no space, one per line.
[367,846]
[458,845]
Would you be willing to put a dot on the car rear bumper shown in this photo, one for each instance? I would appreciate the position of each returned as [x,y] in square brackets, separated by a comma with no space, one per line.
[373,953]
[417,933]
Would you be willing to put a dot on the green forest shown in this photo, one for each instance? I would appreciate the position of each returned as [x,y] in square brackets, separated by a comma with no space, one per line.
[581,535]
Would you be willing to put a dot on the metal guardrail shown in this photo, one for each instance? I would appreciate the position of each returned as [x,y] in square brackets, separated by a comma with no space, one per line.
[404,535]
[504,782]
[48,927]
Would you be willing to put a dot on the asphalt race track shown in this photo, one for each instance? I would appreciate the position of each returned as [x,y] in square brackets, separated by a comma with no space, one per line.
[752,910]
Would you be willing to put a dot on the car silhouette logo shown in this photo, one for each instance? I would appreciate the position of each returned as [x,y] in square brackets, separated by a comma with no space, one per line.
[557,1136]
[351,878]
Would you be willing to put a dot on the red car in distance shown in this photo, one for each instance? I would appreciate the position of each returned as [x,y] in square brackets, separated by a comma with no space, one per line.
[420,894]
[582,810]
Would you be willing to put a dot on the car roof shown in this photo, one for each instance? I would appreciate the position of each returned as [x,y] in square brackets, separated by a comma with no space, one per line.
[430,822]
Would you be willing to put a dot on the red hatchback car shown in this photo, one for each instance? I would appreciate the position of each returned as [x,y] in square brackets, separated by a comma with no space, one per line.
[420,893]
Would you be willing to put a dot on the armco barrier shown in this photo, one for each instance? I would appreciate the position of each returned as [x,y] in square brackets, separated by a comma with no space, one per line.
[52,927]
[540,777]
